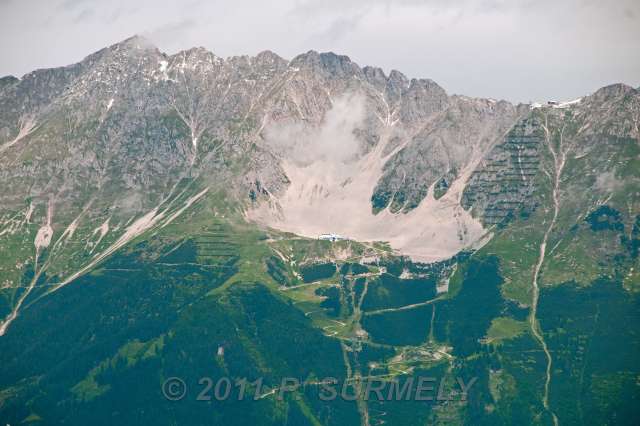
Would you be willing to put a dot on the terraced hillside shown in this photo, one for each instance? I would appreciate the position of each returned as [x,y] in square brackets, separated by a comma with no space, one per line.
[504,182]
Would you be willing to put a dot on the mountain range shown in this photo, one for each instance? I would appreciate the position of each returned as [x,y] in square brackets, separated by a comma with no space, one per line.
[160,215]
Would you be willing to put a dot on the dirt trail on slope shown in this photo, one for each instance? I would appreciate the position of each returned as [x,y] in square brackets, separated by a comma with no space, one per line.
[559,159]
[41,242]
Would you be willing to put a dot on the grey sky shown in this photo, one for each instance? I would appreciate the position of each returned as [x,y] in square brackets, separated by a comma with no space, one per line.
[517,50]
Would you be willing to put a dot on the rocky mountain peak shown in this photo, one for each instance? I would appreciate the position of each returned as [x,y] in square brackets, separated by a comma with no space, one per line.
[269,57]
[337,65]
[136,42]
[7,81]
[398,78]
[613,91]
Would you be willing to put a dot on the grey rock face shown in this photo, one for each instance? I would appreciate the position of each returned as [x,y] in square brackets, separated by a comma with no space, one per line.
[504,182]
[462,129]
[110,138]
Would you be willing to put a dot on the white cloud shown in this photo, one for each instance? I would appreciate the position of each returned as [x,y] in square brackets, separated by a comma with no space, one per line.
[333,140]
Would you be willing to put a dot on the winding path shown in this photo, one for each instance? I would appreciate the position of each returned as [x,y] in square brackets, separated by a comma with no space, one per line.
[558,164]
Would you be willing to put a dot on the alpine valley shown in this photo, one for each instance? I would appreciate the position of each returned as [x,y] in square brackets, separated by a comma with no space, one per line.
[188,216]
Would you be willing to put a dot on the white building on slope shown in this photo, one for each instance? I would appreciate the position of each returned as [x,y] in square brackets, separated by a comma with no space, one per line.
[331,237]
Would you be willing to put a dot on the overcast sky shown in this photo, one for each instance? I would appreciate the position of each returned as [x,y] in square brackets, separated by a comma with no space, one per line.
[516,50]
